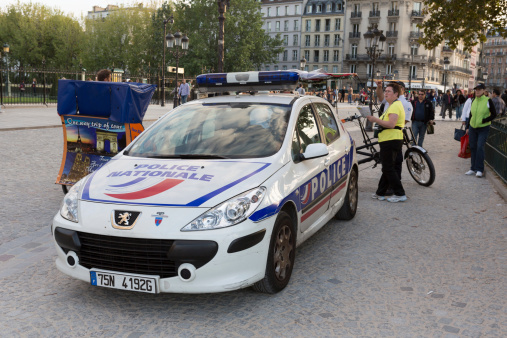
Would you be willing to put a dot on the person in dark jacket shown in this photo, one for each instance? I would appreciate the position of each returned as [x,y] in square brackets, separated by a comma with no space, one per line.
[504,96]
[447,101]
[459,100]
[423,114]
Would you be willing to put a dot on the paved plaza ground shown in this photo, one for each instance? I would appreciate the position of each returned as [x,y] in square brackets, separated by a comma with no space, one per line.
[434,266]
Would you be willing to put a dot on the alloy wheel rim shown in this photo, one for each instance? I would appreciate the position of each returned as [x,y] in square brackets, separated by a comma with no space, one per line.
[282,252]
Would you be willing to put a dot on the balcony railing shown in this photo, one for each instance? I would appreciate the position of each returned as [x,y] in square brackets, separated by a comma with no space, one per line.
[392,34]
[393,12]
[315,59]
[460,69]
[446,49]
[365,57]
[354,35]
[416,34]
[418,14]
[355,15]
[374,14]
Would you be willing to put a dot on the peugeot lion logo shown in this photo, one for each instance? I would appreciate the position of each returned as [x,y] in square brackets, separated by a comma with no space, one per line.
[124,220]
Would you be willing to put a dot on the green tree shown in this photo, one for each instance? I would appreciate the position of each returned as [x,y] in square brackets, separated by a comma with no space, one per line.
[34,31]
[467,21]
[247,46]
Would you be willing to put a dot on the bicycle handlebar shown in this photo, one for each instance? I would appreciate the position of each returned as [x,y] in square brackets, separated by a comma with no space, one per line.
[351,118]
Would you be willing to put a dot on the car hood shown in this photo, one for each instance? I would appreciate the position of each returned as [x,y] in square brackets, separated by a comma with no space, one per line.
[175,182]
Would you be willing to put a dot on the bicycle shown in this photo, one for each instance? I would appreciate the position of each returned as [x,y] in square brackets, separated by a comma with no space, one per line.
[418,161]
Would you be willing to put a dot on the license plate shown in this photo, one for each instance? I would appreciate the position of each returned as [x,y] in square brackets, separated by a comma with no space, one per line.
[122,281]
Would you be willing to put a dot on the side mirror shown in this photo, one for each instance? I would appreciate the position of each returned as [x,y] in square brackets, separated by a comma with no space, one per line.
[315,150]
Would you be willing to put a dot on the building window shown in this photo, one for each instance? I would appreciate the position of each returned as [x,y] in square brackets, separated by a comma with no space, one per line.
[307,41]
[294,56]
[297,9]
[317,41]
[326,56]
[390,49]
[336,56]
[269,11]
[375,7]
[328,25]
[417,7]
[317,25]
[339,7]
[369,68]
[352,68]
[307,55]
[309,9]
[296,25]
[394,5]
[355,28]
[285,40]
[276,67]
[286,10]
[354,50]
[325,69]
[328,8]
[335,69]
[294,40]
[284,67]
[286,25]
[285,55]
[315,56]
[308,25]
[337,24]
[318,9]
[337,39]
[389,69]
[277,11]
[413,72]
[269,26]
[414,49]
[277,26]
[392,27]
[357,8]
[315,67]
[267,68]
[326,40]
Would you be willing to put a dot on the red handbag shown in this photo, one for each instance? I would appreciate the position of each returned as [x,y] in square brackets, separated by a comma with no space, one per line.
[465,148]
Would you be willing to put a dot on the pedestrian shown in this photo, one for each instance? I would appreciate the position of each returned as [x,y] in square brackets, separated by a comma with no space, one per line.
[34,86]
[504,96]
[22,88]
[184,91]
[301,90]
[498,102]
[342,94]
[424,114]
[466,109]
[351,91]
[481,114]
[104,75]
[447,102]
[459,102]
[439,99]
[390,139]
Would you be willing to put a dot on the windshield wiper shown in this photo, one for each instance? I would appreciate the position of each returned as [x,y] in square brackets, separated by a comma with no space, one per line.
[190,156]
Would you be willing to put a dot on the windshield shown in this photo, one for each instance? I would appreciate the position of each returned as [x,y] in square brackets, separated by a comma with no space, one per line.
[225,130]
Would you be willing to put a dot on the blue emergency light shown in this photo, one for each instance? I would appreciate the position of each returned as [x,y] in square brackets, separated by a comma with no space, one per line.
[247,81]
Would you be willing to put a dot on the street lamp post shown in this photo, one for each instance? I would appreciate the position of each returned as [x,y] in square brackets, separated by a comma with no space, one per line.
[44,79]
[6,51]
[378,77]
[424,76]
[373,36]
[446,68]
[166,21]
[222,8]
[485,77]
[174,41]
[302,63]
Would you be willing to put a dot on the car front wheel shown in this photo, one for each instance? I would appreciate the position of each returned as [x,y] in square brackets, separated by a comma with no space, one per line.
[349,207]
[281,256]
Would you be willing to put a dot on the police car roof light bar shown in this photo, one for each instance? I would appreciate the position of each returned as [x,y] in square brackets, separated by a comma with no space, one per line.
[247,81]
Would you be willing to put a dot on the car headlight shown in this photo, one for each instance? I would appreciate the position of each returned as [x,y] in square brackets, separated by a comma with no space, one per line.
[229,213]
[69,208]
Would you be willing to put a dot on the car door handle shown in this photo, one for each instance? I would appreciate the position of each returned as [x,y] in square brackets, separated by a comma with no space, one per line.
[326,162]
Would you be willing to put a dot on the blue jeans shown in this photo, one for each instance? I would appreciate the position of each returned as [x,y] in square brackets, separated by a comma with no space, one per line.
[459,110]
[184,99]
[350,98]
[477,138]
[419,129]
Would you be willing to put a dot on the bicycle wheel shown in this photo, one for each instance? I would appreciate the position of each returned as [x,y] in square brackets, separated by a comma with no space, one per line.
[420,166]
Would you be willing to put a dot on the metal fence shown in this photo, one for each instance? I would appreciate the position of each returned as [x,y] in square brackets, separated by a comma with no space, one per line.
[40,86]
[496,147]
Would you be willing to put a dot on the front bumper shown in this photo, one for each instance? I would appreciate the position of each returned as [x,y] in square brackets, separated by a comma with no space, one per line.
[225,259]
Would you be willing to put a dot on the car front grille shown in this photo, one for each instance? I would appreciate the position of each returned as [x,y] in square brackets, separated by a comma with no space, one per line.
[134,255]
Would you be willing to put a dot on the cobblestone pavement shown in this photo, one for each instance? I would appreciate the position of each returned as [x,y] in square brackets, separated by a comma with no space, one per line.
[434,266]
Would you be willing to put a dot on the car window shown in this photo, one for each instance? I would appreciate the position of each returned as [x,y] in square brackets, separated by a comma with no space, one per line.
[307,131]
[329,125]
[233,130]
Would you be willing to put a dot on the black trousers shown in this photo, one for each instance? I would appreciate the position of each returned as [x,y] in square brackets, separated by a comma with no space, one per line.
[446,107]
[388,152]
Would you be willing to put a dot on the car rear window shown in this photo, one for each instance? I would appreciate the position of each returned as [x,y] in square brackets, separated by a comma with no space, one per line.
[233,130]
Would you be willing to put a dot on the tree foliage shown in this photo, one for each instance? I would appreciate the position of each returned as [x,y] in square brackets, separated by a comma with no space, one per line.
[468,21]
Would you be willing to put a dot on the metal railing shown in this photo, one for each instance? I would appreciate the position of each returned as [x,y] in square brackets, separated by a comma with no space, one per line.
[496,147]
[354,35]
[355,15]
[417,14]
[374,14]
[21,89]
[393,12]
[392,34]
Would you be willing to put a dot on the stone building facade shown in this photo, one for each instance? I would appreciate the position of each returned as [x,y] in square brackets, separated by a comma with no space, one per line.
[494,60]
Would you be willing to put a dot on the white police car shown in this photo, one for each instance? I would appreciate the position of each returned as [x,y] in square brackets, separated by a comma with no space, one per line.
[214,196]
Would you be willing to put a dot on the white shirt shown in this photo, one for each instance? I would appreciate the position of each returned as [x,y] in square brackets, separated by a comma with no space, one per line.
[407,107]
[466,109]
[301,91]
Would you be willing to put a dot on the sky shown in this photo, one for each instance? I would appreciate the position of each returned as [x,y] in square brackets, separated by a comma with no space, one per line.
[75,7]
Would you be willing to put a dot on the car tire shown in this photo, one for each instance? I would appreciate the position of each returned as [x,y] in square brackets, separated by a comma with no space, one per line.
[281,256]
[349,207]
